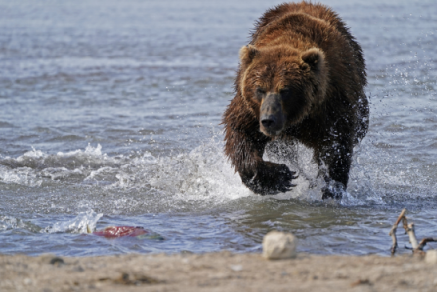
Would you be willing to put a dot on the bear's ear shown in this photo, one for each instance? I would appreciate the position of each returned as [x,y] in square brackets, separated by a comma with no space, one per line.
[247,54]
[315,58]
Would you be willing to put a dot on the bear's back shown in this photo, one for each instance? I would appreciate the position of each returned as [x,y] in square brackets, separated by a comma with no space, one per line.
[318,11]
[316,15]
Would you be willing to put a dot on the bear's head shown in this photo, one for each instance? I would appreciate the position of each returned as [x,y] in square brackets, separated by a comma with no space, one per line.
[281,85]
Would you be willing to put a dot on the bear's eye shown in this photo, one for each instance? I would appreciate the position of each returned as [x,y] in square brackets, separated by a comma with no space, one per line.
[285,91]
[260,92]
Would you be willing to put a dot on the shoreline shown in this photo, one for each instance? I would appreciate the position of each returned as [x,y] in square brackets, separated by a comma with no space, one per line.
[222,271]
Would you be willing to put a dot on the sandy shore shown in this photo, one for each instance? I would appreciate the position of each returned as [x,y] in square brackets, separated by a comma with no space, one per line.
[222,271]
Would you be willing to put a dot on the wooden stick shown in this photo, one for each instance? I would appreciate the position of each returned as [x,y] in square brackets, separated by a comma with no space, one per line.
[392,232]
[424,241]
[417,247]
[409,229]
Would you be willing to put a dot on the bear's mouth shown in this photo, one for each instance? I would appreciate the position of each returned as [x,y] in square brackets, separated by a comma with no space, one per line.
[270,132]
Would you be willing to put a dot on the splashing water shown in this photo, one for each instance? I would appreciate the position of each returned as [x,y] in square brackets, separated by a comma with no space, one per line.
[81,224]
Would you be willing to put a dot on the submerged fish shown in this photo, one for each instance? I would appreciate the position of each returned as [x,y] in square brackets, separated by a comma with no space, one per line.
[119,231]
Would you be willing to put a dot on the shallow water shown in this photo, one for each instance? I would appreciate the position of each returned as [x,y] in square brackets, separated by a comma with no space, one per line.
[110,112]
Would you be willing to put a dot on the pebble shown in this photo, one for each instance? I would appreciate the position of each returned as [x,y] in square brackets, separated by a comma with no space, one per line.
[236,268]
[279,245]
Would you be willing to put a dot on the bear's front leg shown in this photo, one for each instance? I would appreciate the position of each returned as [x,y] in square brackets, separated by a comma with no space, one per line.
[262,177]
[338,161]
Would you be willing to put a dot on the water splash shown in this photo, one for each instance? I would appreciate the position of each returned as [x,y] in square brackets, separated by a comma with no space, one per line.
[203,174]
[79,224]
[9,223]
[22,176]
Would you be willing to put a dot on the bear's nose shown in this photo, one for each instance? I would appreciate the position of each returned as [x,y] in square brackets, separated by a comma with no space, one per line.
[268,121]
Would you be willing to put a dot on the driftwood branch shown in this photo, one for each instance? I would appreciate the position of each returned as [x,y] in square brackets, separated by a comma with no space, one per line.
[425,240]
[409,229]
[392,232]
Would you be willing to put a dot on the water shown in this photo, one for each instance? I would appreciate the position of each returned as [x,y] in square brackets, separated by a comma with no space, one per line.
[110,112]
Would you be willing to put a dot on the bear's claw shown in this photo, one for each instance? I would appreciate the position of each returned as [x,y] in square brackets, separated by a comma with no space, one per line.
[270,179]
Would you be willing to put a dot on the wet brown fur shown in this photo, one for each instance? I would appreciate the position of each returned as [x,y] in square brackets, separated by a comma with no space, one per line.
[310,47]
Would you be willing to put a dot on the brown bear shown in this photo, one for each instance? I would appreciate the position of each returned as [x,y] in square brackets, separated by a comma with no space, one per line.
[301,78]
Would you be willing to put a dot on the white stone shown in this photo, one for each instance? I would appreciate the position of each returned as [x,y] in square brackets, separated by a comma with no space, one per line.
[236,268]
[431,256]
[279,245]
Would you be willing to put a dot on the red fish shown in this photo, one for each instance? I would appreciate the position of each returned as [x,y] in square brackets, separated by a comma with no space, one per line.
[119,231]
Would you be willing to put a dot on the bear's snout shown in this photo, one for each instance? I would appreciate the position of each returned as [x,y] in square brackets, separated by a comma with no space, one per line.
[268,121]
[271,115]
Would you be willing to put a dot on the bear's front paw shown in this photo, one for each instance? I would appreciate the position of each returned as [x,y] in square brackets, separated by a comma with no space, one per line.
[333,190]
[270,178]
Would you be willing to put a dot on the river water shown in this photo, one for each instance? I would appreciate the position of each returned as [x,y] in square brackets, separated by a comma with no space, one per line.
[110,112]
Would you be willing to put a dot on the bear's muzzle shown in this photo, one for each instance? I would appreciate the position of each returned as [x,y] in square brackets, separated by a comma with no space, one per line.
[272,118]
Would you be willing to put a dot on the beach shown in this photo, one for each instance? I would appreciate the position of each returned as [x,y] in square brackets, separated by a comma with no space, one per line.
[222,271]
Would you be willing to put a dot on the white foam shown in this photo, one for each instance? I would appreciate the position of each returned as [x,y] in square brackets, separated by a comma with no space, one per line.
[78,224]
[8,222]
[22,176]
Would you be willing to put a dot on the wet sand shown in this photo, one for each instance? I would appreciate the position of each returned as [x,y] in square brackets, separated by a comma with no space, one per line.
[222,271]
